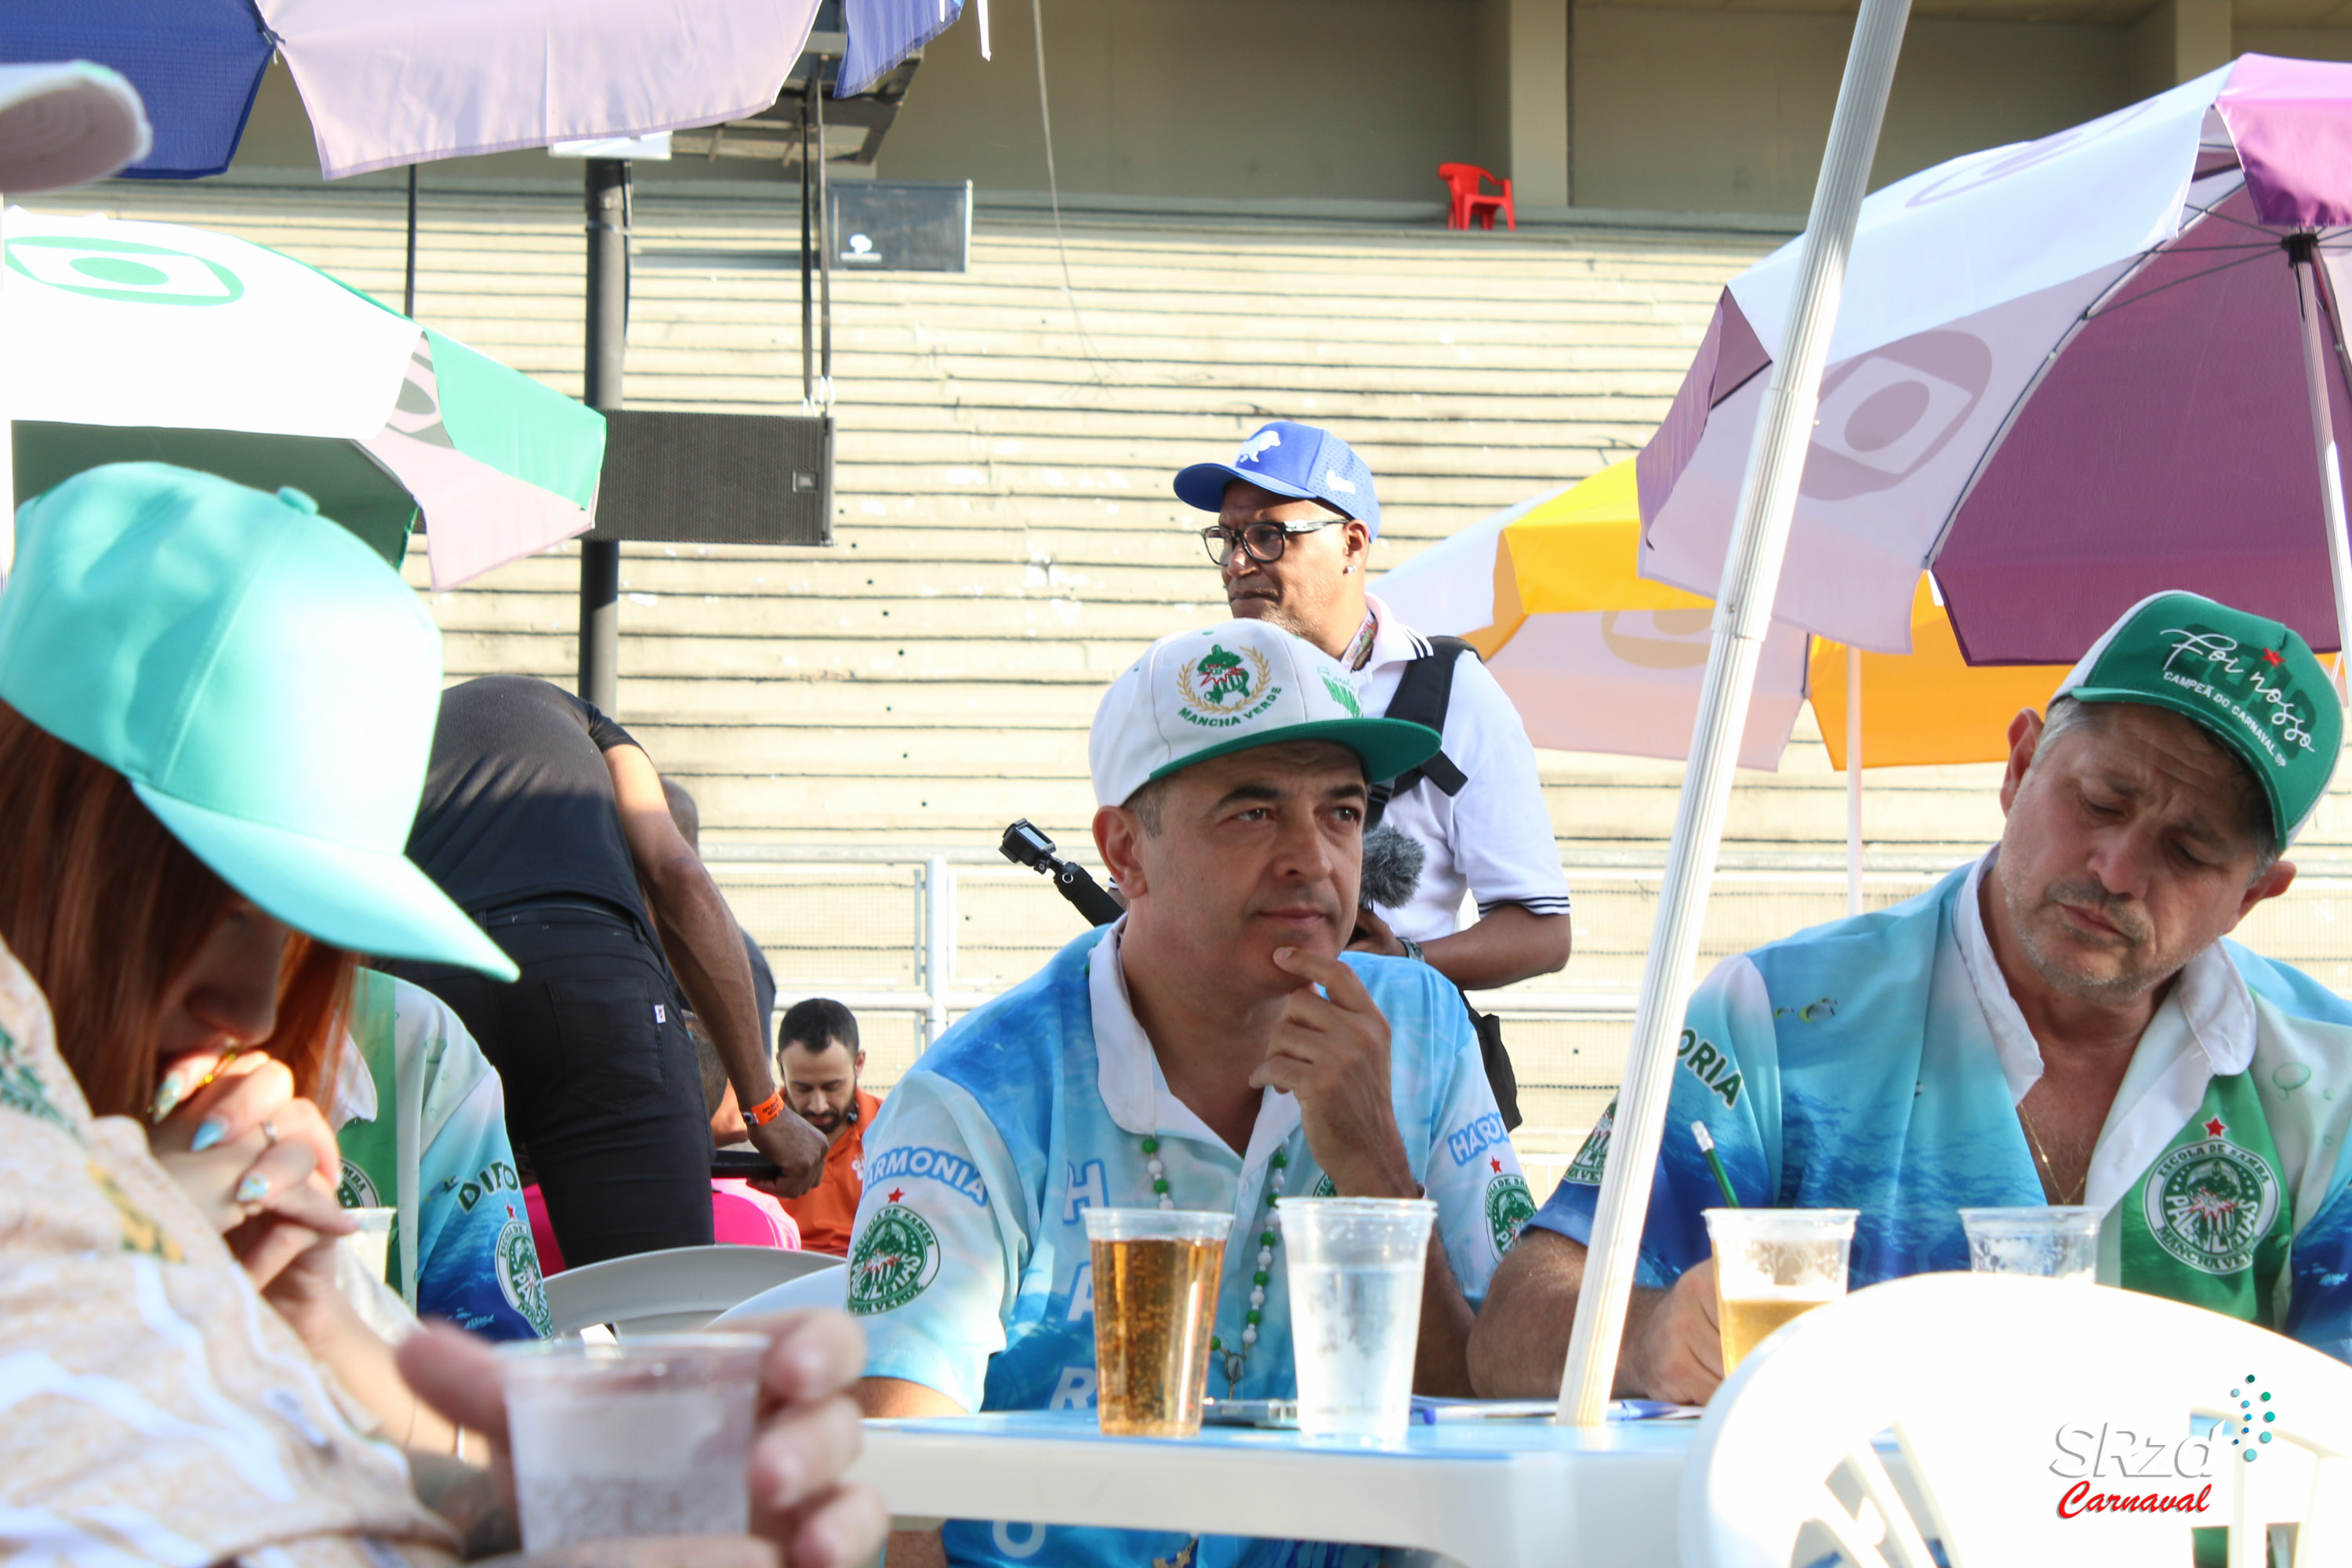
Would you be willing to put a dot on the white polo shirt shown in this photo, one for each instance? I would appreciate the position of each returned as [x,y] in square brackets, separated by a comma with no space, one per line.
[1493,840]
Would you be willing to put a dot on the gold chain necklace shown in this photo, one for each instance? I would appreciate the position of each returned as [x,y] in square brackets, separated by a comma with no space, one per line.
[2049,1170]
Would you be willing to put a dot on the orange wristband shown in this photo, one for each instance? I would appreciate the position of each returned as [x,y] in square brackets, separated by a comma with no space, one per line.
[767,1110]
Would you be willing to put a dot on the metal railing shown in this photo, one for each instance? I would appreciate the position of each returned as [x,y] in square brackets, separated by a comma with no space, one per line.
[911,938]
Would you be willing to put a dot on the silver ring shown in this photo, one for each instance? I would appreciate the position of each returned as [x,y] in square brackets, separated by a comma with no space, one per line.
[269,1133]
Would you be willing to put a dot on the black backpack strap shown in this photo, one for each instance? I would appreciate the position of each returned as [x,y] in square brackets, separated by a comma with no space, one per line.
[1423,694]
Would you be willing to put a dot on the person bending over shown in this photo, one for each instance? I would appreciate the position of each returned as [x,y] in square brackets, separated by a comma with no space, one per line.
[2059,1022]
[542,817]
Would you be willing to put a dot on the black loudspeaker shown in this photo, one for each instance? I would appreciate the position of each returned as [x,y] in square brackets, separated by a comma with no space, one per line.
[716,478]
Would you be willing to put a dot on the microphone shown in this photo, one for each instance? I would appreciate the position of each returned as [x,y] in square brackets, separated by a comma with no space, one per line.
[1393,863]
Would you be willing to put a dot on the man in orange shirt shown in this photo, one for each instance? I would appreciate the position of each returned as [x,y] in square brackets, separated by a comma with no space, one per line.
[818,1058]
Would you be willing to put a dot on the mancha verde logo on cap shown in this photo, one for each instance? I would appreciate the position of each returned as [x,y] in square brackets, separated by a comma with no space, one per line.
[1221,689]
[123,269]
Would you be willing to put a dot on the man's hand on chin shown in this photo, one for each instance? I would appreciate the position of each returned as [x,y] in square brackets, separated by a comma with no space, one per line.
[1331,1051]
[1675,1353]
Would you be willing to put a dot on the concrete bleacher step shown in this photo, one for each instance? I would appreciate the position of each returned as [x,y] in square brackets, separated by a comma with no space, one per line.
[1006,540]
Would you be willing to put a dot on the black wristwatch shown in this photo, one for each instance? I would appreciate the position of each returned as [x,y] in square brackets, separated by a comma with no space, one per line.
[1413,949]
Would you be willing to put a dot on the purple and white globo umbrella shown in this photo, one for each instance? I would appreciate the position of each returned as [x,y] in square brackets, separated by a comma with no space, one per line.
[2066,375]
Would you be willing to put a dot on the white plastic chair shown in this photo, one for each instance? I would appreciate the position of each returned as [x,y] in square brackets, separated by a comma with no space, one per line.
[826,1287]
[673,1291]
[1975,1376]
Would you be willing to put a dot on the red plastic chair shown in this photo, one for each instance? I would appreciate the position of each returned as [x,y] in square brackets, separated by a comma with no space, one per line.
[1464,180]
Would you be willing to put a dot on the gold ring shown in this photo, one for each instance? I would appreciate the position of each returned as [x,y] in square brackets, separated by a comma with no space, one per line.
[269,1133]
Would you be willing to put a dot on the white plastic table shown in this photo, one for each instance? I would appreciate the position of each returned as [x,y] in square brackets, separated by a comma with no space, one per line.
[1485,1494]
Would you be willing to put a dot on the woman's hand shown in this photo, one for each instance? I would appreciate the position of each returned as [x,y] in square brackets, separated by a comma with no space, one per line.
[243,1139]
[808,1435]
[261,1165]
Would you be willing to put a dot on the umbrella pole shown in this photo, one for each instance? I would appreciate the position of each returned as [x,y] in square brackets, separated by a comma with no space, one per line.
[1853,780]
[608,303]
[1743,616]
[2302,249]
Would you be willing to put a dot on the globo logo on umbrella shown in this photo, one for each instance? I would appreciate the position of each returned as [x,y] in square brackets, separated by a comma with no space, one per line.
[123,269]
[1882,415]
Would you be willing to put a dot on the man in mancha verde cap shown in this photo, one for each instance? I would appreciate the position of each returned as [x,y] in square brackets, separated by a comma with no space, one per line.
[1215,1048]
[2058,1023]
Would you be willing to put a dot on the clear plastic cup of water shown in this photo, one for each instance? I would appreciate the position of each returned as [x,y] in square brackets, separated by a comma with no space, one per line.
[2055,1243]
[650,1435]
[372,1243]
[1354,1268]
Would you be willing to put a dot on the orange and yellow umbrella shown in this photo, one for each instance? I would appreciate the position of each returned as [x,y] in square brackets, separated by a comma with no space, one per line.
[1550,594]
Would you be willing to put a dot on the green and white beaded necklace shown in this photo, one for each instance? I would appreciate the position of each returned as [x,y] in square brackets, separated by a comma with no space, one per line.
[1276,1165]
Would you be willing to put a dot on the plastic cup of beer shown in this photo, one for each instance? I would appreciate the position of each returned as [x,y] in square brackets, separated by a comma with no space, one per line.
[1354,1268]
[650,1435]
[1156,1274]
[2053,1242]
[1773,1265]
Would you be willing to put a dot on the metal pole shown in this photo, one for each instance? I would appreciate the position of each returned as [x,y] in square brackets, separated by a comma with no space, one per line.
[808,296]
[1743,616]
[939,940]
[1853,780]
[408,286]
[823,244]
[2300,248]
[608,300]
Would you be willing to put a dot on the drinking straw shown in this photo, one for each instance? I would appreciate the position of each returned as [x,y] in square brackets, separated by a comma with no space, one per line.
[1706,1147]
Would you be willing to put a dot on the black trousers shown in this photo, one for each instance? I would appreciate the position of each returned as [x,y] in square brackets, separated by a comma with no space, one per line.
[604,1095]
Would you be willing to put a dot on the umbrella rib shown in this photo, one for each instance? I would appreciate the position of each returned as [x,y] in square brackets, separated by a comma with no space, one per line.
[2215,214]
[2138,264]
[2177,282]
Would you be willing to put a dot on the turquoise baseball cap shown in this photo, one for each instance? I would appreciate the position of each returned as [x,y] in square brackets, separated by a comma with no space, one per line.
[266,683]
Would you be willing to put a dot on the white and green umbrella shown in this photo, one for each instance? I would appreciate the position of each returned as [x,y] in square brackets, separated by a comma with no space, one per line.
[127,342]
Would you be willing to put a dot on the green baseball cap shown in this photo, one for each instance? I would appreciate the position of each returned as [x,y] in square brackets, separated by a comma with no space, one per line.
[2252,684]
[266,683]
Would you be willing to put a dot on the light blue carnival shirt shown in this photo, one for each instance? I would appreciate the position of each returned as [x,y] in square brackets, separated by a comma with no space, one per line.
[969,1266]
[1877,1063]
[420,1118]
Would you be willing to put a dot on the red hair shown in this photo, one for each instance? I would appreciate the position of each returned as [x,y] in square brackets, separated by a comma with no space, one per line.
[105,908]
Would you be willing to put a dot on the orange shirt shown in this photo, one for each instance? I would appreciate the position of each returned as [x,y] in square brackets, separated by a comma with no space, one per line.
[828,1210]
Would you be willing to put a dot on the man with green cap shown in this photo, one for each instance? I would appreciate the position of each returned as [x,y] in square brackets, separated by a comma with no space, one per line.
[2061,1022]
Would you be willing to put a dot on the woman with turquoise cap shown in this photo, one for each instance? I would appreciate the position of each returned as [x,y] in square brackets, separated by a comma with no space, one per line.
[215,709]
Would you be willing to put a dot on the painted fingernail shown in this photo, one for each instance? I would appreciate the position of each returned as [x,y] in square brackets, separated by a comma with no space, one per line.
[167,1095]
[253,1189]
[210,1132]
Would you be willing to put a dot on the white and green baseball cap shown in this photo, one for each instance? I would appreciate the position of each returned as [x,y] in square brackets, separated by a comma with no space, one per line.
[266,683]
[1198,695]
[2252,684]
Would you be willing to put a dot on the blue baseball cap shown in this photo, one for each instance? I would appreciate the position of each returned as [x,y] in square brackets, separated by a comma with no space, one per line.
[1290,460]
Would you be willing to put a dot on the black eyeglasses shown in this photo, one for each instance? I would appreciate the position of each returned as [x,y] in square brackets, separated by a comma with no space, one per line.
[1266,541]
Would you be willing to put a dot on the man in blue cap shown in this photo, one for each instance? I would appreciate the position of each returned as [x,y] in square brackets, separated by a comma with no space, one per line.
[1296,516]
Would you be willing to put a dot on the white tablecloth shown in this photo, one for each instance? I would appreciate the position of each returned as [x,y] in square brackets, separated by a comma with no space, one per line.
[1487,1494]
